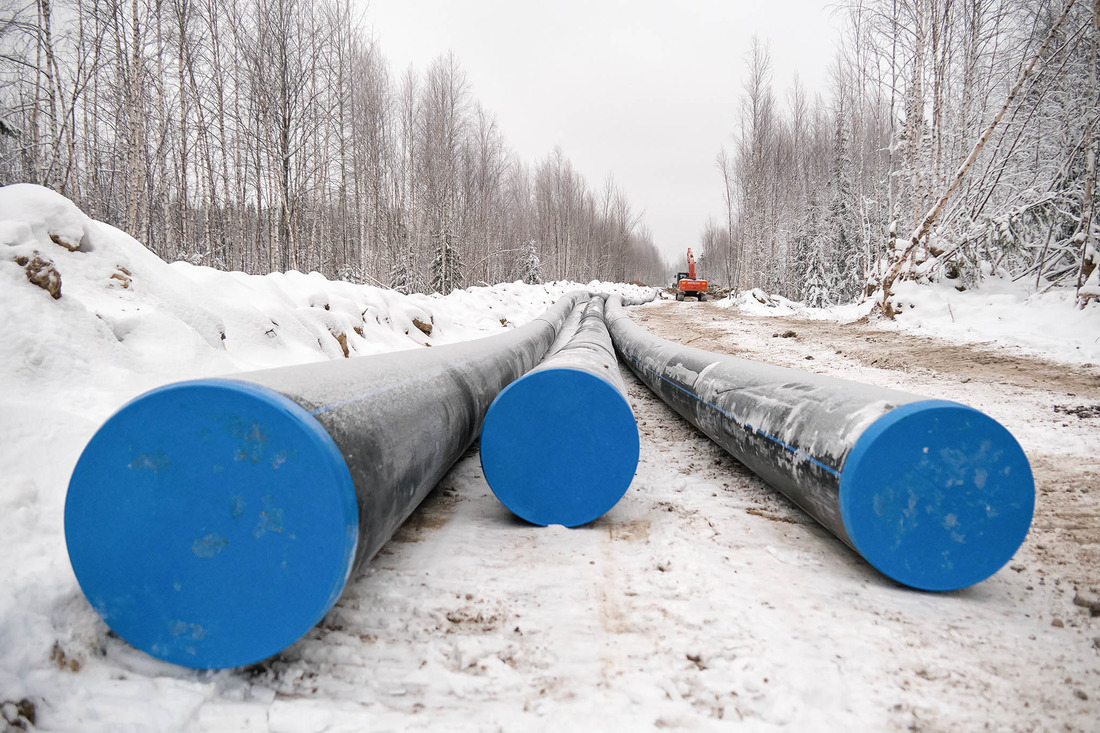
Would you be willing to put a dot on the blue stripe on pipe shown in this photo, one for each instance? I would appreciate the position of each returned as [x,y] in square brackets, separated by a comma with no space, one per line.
[937,495]
[797,451]
[559,446]
[211,523]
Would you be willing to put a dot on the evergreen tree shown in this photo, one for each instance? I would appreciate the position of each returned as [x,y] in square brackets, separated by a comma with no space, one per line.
[807,253]
[404,275]
[815,289]
[532,265]
[401,277]
[842,266]
[446,266]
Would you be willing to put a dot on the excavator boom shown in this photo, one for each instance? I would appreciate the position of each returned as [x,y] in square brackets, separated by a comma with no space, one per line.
[687,284]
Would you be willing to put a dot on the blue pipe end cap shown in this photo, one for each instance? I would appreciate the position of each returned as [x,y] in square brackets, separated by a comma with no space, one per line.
[937,495]
[559,446]
[211,523]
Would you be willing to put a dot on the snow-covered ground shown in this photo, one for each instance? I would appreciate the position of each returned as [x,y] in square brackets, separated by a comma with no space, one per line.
[702,598]
[1040,322]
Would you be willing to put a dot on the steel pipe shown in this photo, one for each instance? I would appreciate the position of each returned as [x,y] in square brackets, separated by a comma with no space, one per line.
[212,523]
[560,444]
[934,494]
[568,327]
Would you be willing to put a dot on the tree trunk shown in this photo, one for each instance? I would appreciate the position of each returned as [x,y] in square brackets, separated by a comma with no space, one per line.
[925,225]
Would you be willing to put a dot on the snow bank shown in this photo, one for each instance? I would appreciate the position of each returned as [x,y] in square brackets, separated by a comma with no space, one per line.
[1047,324]
[91,319]
[1002,312]
[756,302]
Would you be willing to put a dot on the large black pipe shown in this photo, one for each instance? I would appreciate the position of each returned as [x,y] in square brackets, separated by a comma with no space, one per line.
[932,493]
[560,444]
[568,328]
[212,523]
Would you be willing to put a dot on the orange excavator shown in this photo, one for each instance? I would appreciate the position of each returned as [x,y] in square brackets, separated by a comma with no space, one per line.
[686,284]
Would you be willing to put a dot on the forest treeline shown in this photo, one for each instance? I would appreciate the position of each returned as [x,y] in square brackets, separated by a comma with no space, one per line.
[958,138]
[265,135]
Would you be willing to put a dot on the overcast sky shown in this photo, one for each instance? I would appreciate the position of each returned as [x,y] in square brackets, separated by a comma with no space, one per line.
[645,90]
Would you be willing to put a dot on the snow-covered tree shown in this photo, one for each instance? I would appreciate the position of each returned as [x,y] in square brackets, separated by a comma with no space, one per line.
[842,267]
[808,257]
[404,275]
[446,268]
[971,131]
[271,134]
[817,291]
[532,265]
